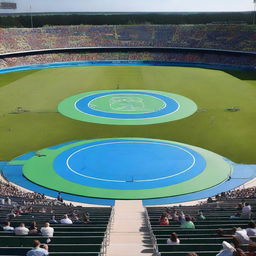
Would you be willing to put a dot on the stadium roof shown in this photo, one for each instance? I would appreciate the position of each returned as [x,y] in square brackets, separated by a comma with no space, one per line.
[25,6]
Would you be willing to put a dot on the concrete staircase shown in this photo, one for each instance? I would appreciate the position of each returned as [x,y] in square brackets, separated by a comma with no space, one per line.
[129,234]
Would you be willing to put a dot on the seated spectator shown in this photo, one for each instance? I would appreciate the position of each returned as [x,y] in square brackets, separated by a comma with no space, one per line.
[192,254]
[18,211]
[77,221]
[227,250]
[42,210]
[8,200]
[164,220]
[59,197]
[173,239]
[53,220]
[66,220]
[7,227]
[200,216]
[251,230]
[175,216]
[217,197]
[209,200]
[33,230]
[251,249]
[86,219]
[182,217]
[241,236]
[193,219]
[247,210]
[223,195]
[240,206]
[239,252]
[11,215]
[236,216]
[47,231]
[21,230]
[37,251]
[188,223]
[72,214]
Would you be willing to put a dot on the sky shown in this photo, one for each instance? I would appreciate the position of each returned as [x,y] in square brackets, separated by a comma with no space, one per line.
[132,5]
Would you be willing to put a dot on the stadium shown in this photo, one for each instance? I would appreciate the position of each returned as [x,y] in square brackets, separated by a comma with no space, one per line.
[129,130]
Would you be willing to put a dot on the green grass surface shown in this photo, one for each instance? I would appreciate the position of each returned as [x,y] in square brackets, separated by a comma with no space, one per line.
[231,134]
[9,77]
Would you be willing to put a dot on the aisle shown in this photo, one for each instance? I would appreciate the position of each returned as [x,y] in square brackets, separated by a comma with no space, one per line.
[129,234]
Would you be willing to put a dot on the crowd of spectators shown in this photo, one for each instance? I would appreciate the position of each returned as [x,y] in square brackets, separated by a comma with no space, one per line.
[240,236]
[46,230]
[23,202]
[241,193]
[186,57]
[186,221]
[8,190]
[230,37]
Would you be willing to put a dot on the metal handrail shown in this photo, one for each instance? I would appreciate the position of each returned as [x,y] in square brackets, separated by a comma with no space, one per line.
[106,240]
[152,236]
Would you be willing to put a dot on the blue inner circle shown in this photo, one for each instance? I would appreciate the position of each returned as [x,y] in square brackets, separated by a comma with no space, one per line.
[129,164]
[136,161]
[82,105]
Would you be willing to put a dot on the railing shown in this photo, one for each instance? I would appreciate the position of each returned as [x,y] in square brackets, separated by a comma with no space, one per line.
[152,236]
[106,240]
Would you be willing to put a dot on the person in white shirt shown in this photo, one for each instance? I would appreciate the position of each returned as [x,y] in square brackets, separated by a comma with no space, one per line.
[47,231]
[246,211]
[173,239]
[228,249]
[251,230]
[66,220]
[21,230]
[241,236]
[7,227]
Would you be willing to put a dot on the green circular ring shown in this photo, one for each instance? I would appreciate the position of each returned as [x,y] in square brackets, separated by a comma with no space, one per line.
[40,171]
[67,108]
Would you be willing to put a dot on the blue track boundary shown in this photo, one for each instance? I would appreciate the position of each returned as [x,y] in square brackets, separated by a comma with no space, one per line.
[125,63]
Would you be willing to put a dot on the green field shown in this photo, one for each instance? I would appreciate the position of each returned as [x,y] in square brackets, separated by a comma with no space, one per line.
[231,134]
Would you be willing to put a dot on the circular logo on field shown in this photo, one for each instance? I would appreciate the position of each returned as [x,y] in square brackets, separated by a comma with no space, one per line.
[127,104]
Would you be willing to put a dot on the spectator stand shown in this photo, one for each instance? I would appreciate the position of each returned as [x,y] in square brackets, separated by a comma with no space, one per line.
[204,239]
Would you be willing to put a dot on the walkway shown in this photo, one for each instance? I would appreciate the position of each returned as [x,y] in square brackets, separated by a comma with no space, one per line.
[129,235]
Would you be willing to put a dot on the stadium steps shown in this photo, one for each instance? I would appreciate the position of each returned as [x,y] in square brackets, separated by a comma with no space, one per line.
[129,234]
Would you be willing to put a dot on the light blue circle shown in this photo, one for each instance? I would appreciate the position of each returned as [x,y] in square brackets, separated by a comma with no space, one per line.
[129,164]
